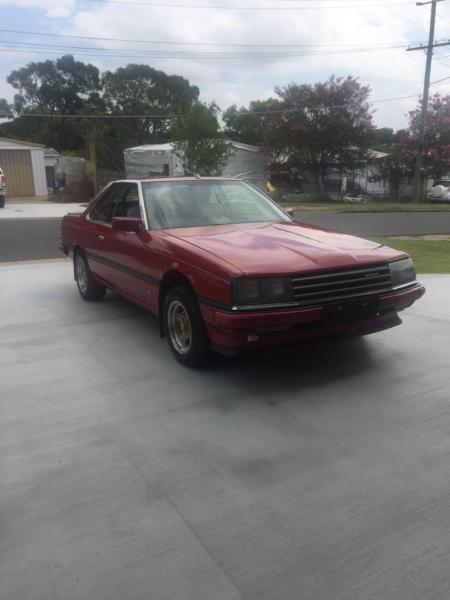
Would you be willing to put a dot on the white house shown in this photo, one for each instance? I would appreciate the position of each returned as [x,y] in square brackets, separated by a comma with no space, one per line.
[24,166]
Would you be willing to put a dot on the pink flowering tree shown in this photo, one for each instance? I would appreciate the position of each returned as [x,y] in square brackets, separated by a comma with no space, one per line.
[321,125]
[398,166]
[436,161]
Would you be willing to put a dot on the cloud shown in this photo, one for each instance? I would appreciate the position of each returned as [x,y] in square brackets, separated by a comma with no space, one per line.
[52,8]
[390,73]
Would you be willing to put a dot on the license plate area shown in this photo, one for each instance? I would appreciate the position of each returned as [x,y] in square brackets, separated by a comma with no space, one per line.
[351,310]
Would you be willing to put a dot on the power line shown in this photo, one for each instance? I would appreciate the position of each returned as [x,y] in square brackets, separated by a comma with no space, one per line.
[442,18]
[395,98]
[146,54]
[240,7]
[439,80]
[179,43]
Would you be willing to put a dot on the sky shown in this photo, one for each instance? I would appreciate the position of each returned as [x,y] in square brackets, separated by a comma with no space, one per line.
[319,37]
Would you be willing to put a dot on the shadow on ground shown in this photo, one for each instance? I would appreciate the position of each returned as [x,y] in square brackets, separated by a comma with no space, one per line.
[309,365]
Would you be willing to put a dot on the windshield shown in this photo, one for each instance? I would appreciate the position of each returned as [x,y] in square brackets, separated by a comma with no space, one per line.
[197,203]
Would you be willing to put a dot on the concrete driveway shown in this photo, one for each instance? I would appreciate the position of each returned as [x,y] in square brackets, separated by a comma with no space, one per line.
[322,474]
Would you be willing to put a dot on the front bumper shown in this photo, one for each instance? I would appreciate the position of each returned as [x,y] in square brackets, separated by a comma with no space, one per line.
[238,332]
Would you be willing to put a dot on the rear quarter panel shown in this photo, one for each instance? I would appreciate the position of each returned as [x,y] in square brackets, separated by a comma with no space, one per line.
[72,229]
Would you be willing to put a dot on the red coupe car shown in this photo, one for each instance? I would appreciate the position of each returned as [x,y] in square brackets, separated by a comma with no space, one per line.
[227,269]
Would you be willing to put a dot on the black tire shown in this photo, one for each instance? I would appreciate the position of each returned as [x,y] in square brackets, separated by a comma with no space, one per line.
[88,287]
[190,346]
[2,201]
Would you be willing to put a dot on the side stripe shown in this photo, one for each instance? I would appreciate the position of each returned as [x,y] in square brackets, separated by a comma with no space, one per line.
[123,269]
[147,278]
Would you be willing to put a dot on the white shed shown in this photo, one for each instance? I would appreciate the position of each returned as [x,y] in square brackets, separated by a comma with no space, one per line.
[24,166]
[159,160]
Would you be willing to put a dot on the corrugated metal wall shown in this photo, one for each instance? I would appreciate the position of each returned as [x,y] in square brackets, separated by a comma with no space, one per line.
[16,165]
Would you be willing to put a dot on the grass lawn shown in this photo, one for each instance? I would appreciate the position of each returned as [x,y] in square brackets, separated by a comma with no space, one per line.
[363,206]
[429,256]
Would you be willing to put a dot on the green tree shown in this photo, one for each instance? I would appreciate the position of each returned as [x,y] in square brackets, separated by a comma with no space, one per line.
[52,87]
[6,109]
[321,125]
[384,136]
[247,124]
[198,141]
[142,90]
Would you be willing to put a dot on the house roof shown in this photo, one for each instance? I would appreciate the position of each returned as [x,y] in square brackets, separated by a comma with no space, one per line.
[151,148]
[374,154]
[50,152]
[21,142]
[168,147]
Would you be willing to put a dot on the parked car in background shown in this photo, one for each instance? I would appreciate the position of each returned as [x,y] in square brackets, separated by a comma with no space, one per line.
[440,192]
[226,269]
[2,188]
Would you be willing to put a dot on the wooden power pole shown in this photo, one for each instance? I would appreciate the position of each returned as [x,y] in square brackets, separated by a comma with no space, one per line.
[417,187]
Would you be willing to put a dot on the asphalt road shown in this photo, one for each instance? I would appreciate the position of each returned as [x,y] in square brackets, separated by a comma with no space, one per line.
[322,474]
[24,239]
[29,239]
[381,224]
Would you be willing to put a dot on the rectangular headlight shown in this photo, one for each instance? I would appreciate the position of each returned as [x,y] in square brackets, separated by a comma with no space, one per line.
[270,290]
[402,271]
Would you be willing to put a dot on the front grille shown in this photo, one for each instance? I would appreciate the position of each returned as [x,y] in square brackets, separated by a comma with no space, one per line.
[326,287]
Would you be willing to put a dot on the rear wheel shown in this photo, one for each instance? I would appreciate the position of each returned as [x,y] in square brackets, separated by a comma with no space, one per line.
[89,289]
[184,328]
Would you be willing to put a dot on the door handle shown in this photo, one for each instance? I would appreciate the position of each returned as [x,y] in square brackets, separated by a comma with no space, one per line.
[101,237]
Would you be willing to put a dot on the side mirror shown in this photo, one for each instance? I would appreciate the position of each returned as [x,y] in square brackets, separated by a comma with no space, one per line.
[127,224]
[290,211]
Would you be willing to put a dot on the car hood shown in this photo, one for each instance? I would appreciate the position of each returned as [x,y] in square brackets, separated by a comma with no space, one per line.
[283,248]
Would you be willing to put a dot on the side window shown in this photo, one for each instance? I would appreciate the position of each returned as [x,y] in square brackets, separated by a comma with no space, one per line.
[128,205]
[104,209]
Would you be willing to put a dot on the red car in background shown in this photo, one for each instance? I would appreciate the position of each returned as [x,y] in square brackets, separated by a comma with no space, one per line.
[226,269]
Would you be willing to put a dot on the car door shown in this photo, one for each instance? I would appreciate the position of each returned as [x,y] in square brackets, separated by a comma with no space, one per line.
[98,237]
[124,260]
[127,249]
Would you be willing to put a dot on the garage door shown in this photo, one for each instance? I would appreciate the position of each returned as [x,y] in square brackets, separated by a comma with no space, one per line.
[16,165]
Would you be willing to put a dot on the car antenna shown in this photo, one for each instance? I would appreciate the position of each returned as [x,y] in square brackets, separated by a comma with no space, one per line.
[242,174]
[196,175]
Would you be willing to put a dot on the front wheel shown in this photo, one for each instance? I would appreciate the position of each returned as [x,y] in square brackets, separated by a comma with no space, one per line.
[89,289]
[184,328]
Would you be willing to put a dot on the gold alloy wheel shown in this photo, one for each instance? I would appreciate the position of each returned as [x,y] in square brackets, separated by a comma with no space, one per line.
[179,327]
[82,274]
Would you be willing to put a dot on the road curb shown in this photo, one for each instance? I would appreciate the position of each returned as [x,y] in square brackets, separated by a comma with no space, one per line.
[37,261]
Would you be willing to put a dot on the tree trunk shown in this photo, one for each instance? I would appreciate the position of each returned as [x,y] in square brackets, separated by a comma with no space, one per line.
[395,191]
[320,185]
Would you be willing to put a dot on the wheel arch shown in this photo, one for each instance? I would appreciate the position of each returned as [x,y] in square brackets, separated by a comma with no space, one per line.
[170,279]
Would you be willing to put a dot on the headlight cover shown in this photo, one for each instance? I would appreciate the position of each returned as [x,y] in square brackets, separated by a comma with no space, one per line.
[269,290]
[402,271]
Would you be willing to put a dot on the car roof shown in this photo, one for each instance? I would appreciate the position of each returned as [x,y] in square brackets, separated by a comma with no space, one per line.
[174,179]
